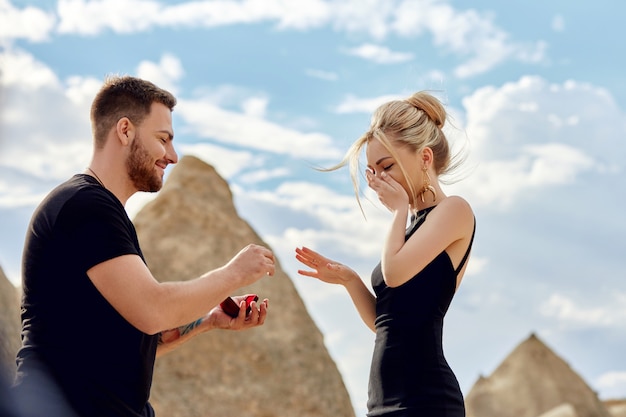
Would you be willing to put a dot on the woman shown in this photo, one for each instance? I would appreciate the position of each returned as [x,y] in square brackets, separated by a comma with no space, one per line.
[421,266]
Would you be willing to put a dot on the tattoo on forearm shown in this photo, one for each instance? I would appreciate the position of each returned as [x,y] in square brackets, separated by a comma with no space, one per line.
[168,336]
[189,327]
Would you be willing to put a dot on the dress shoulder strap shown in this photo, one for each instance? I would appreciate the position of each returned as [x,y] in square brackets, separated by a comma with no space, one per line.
[469,248]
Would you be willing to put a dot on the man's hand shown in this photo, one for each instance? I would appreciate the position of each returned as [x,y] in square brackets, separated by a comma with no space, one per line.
[215,319]
[252,263]
[218,319]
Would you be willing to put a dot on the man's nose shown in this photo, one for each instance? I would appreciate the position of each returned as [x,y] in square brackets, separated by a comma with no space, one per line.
[172,156]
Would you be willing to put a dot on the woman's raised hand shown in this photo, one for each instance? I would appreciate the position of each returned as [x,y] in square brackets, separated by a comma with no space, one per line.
[323,268]
[389,191]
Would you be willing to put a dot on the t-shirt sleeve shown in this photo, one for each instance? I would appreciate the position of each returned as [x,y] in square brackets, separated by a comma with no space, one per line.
[97,229]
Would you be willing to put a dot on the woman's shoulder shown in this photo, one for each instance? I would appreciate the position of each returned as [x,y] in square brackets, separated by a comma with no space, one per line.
[456,204]
[454,213]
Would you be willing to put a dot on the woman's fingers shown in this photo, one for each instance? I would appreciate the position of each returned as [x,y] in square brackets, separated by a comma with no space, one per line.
[310,258]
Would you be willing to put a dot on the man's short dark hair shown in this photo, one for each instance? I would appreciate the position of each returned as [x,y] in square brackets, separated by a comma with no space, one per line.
[124,96]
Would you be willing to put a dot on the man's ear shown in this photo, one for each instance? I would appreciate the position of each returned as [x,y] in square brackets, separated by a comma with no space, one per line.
[125,130]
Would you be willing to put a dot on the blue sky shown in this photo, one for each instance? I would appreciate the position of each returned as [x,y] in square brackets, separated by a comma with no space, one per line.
[268,89]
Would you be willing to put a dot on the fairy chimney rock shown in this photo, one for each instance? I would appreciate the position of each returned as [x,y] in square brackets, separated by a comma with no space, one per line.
[563,410]
[531,381]
[616,407]
[277,370]
[9,326]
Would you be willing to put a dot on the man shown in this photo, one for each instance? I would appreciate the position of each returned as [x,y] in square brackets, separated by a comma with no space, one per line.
[93,317]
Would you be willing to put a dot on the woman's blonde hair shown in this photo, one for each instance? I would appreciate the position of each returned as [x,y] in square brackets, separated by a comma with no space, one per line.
[415,123]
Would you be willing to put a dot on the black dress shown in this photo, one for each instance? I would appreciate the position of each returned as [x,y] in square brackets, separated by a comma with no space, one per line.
[409,375]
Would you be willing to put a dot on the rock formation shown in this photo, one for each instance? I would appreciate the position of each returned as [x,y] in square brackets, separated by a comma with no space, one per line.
[277,370]
[563,410]
[283,369]
[9,326]
[531,381]
[617,408]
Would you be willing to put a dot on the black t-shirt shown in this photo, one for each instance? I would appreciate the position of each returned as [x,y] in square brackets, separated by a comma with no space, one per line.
[101,363]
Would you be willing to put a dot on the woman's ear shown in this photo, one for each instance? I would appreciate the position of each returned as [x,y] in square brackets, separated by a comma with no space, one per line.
[427,157]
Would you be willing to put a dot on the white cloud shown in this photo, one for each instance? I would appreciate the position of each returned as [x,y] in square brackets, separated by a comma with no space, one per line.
[322,75]
[299,15]
[255,107]
[529,135]
[533,134]
[434,76]
[210,121]
[558,23]
[52,144]
[612,384]
[476,266]
[501,182]
[308,197]
[556,164]
[137,201]
[263,175]
[342,228]
[471,35]
[49,159]
[225,161]
[15,194]
[48,124]
[371,17]
[56,144]
[29,23]
[81,90]
[165,74]
[465,33]
[92,17]
[227,95]
[21,69]
[352,104]
[379,54]
[129,16]
[568,312]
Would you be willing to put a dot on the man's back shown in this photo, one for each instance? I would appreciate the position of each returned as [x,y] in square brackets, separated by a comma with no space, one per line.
[102,364]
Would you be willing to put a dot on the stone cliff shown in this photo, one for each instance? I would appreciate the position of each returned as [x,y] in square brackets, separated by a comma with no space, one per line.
[530,382]
[9,326]
[281,369]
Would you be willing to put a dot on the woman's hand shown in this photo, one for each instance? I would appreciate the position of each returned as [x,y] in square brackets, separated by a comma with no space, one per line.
[389,191]
[324,269]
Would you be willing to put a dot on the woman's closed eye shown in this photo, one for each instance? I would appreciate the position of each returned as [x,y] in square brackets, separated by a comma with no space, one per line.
[387,167]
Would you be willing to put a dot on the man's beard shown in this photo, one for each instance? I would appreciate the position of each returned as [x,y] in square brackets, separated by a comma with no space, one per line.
[140,168]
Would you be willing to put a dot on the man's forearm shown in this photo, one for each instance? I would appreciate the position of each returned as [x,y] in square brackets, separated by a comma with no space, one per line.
[173,338]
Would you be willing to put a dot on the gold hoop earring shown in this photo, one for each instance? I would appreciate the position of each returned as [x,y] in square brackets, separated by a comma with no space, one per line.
[427,187]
